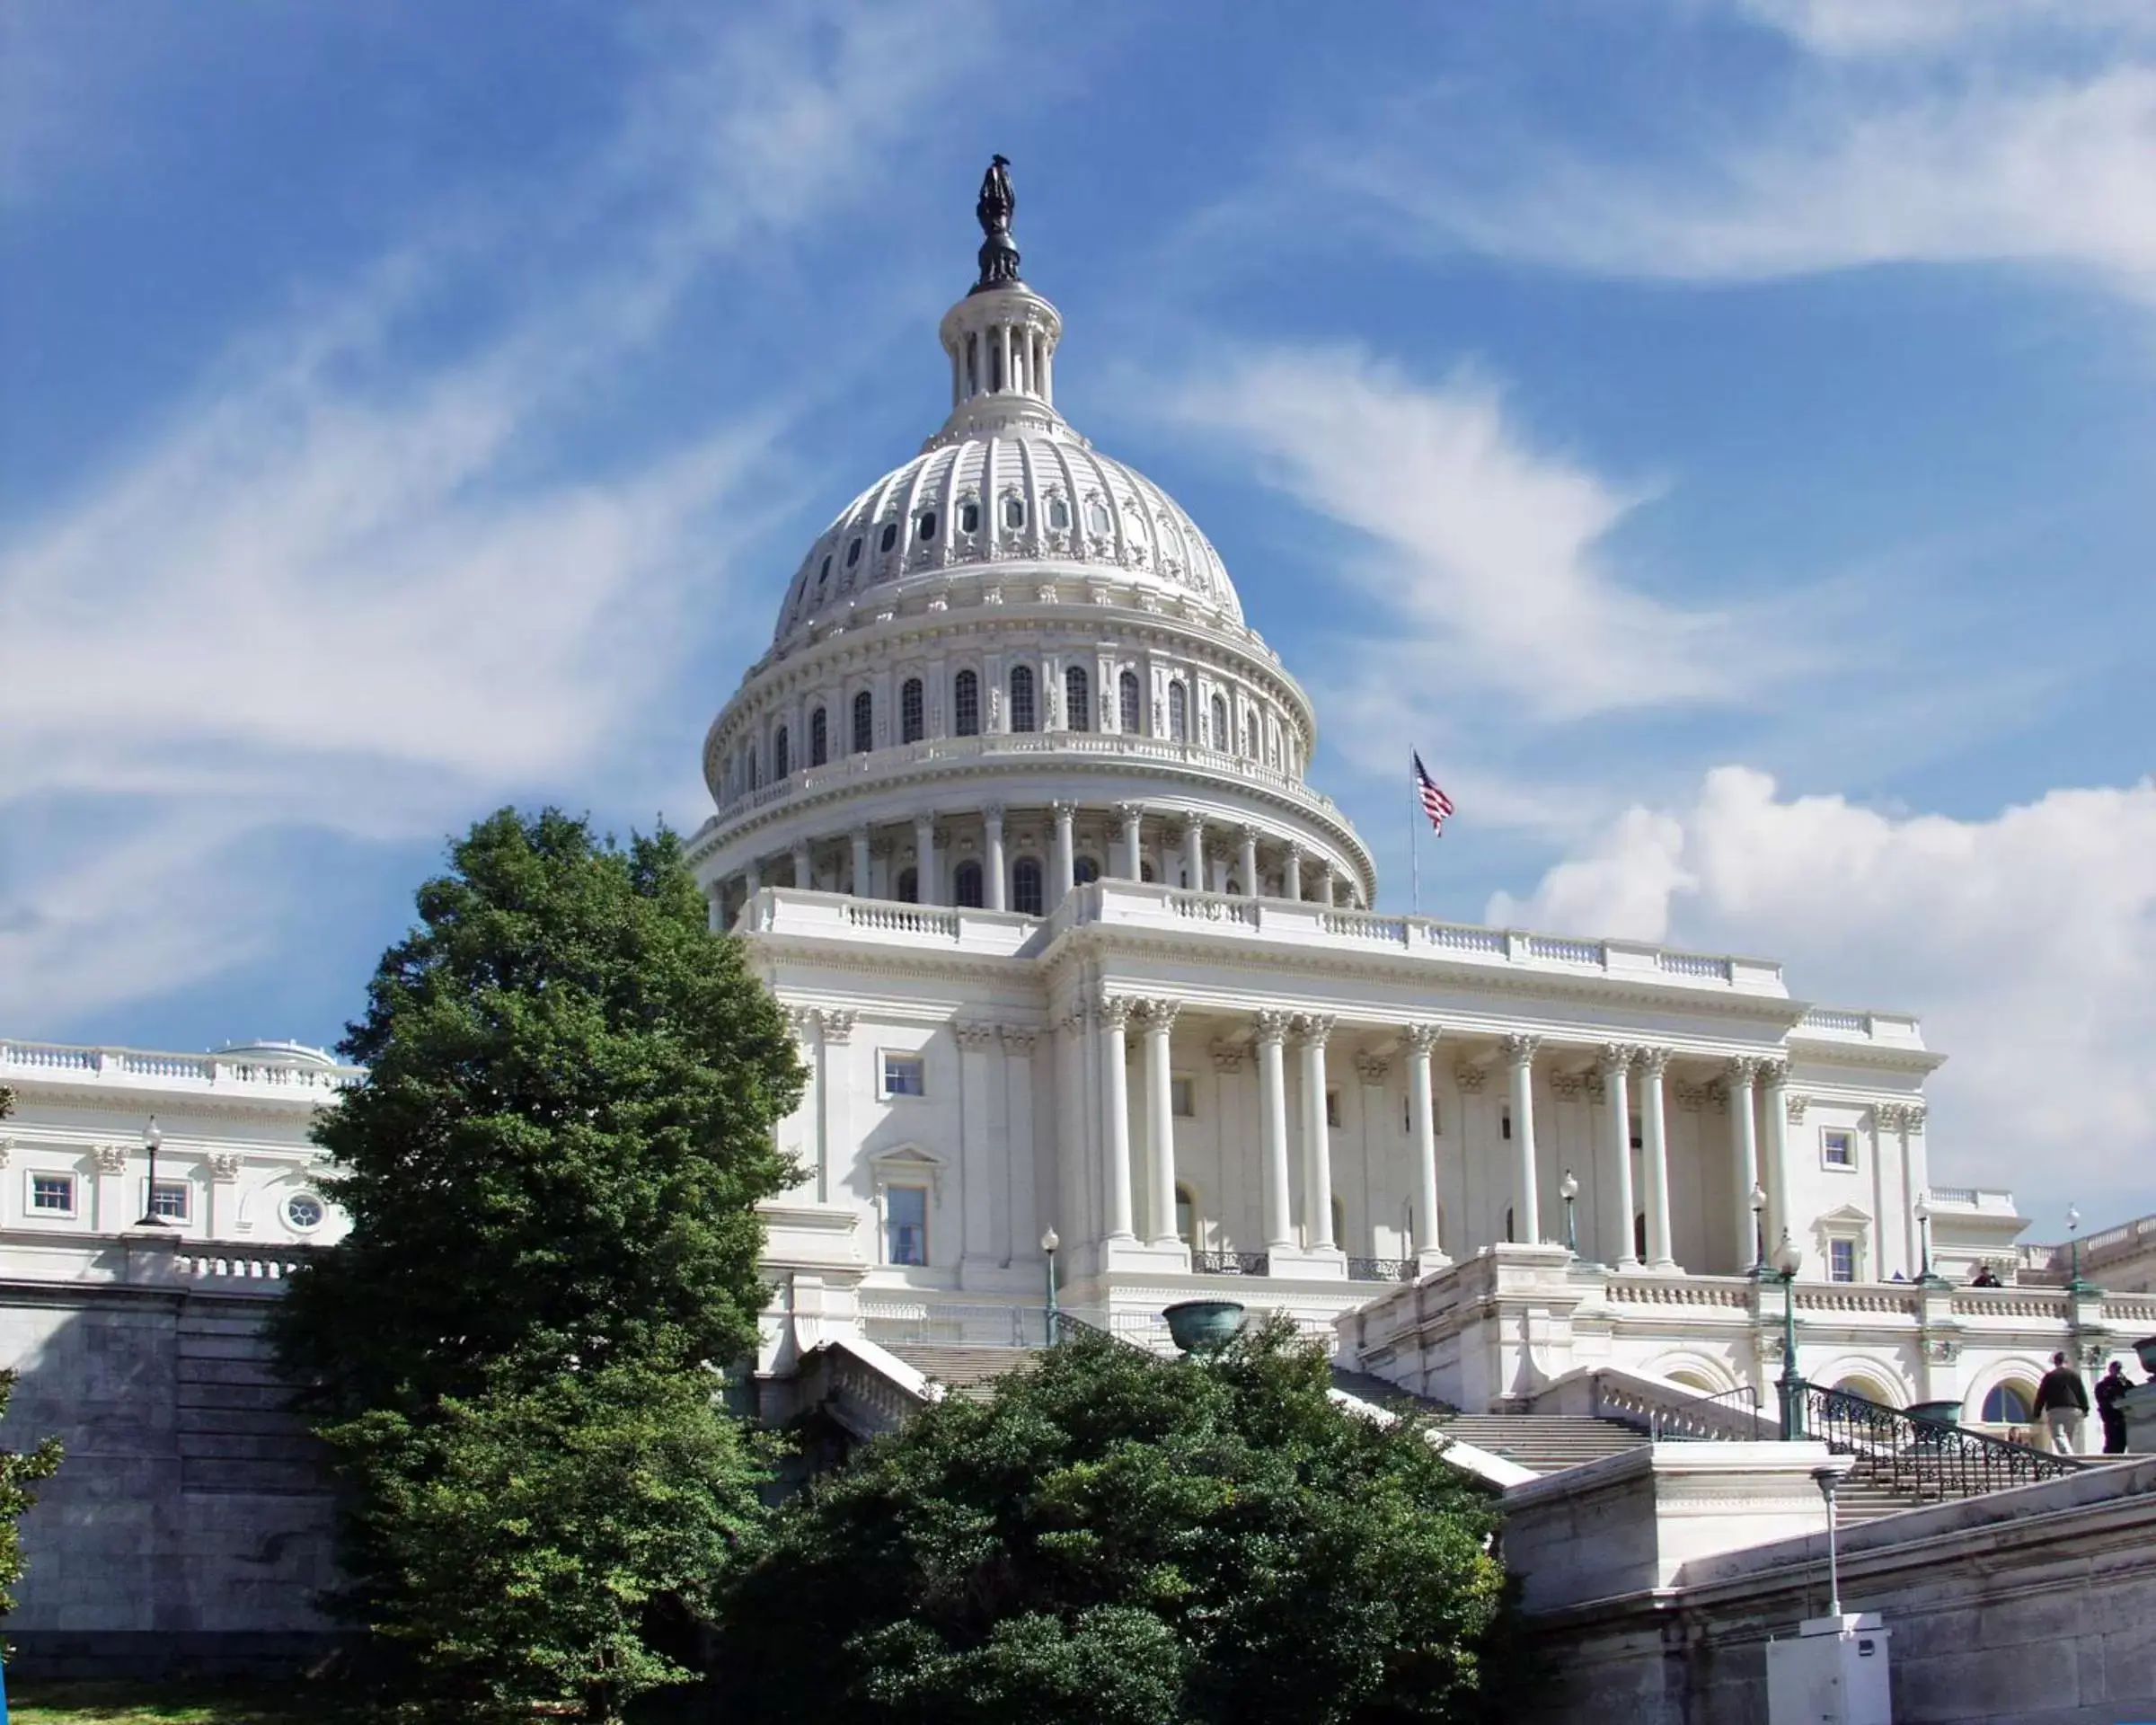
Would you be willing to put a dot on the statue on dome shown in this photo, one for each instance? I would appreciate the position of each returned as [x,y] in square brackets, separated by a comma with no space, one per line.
[996,206]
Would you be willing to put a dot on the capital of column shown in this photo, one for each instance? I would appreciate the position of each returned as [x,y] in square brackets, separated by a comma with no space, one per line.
[1519,1050]
[1471,1078]
[1742,1070]
[1616,1057]
[993,813]
[1161,1013]
[1114,1010]
[1060,810]
[1194,828]
[1422,1038]
[1272,1027]
[978,1037]
[859,832]
[1652,1061]
[1773,1073]
[1130,813]
[1248,834]
[838,1024]
[1313,1030]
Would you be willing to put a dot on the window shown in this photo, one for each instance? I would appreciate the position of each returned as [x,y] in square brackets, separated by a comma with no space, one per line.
[168,1200]
[1014,513]
[864,722]
[1025,886]
[1133,719]
[303,1211]
[1332,1108]
[905,1225]
[853,553]
[1185,1216]
[52,1194]
[909,887]
[904,1074]
[781,753]
[1339,1220]
[1086,868]
[1021,698]
[1145,871]
[913,723]
[1220,738]
[1059,514]
[1838,1147]
[1182,1098]
[1842,1260]
[1505,1124]
[890,536]
[926,526]
[1250,735]
[965,886]
[1077,699]
[1178,714]
[966,705]
[1095,517]
[2007,1405]
[823,574]
[819,737]
[969,517]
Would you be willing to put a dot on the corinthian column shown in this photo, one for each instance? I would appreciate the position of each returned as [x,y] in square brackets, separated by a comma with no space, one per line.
[1194,852]
[1250,861]
[1743,1158]
[1312,1030]
[1617,1059]
[1114,1015]
[1291,880]
[1132,815]
[925,882]
[861,862]
[1519,1055]
[1064,855]
[1160,1121]
[1775,1079]
[1430,1248]
[1272,1131]
[1653,1127]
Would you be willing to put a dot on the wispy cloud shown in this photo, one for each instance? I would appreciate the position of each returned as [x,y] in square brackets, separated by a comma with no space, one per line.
[1866,28]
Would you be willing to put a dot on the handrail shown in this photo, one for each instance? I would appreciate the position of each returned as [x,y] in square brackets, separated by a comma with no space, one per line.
[1230,1263]
[1381,1269]
[1930,1459]
[1684,1423]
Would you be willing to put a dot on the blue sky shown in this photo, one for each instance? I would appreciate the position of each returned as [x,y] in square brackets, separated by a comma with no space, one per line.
[1720,431]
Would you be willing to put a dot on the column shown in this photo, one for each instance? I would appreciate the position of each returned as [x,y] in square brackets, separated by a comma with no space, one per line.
[997,893]
[1618,1244]
[924,858]
[1272,1131]
[1653,1157]
[1291,884]
[1527,1216]
[981,1158]
[1021,1133]
[834,1100]
[1132,815]
[1216,871]
[1065,860]
[1430,1245]
[1114,1014]
[1194,852]
[1249,860]
[1743,1159]
[1325,883]
[1160,1121]
[1311,1033]
[804,870]
[1774,1078]
[752,877]
[861,862]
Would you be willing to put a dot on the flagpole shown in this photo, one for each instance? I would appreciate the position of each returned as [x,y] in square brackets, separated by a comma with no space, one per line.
[1414,831]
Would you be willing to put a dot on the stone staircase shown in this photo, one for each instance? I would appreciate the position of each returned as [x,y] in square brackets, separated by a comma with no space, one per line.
[1544,1443]
[969,1371]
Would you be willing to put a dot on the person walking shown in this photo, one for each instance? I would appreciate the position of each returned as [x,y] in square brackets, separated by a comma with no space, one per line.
[2062,1405]
[2111,1390]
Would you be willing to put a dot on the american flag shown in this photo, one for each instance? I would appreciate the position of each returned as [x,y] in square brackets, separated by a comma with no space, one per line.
[1436,804]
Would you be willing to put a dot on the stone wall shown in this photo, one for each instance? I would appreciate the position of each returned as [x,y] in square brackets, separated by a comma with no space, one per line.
[189,1528]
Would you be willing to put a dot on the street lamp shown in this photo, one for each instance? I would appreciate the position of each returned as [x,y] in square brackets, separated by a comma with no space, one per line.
[1568,1189]
[1922,1212]
[1787,1261]
[1049,1242]
[151,1139]
[1759,1231]
[2074,1248]
[1827,1479]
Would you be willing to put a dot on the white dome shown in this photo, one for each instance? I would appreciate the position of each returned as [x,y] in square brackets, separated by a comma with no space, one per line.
[1035,493]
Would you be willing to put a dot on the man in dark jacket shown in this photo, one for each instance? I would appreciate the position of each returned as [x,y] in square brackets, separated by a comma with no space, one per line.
[2062,1405]
[2111,1390]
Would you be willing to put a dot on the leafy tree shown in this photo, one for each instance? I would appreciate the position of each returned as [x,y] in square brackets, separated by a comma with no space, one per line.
[564,1130]
[536,1534]
[19,1469]
[1125,1540]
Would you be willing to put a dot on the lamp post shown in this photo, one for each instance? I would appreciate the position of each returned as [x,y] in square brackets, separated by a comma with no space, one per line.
[1049,1242]
[2073,1249]
[1787,1261]
[1759,1231]
[1923,1211]
[1568,1189]
[1827,1479]
[150,1139]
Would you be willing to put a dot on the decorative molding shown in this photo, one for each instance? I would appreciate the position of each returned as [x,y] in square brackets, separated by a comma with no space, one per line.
[1795,1106]
[1653,1061]
[838,1024]
[109,1158]
[1227,1056]
[224,1166]
[1598,1089]
[1742,1070]
[1567,1085]
[1017,1040]
[1421,1039]
[1617,1056]
[1471,1078]
[1941,1350]
[1271,1026]
[1160,1012]
[1313,1030]
[1113,1012]
[1692,1097]
[975,1038]
[1372,1068]
[1519,1049]
[1773,1073]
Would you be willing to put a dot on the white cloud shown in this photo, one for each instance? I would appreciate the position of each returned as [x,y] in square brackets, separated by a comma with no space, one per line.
[2026,941]
[1851,27]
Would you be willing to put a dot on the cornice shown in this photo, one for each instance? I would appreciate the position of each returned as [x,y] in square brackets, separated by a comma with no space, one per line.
[140,1100]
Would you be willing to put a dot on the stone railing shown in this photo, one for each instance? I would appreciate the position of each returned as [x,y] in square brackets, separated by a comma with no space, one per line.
[226,1265]
[1836,1022]
[154,1069]
[1669,1414]
[1728,1292]
[934,1323]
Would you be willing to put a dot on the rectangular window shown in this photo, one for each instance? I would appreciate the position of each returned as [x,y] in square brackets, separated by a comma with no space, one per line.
[1838,1147]
[905,1225]
[52,1194]
[1842,1260]
[1332,1108]
[168,1200]
[1505,1124]
[1182,1098]
[904,1074]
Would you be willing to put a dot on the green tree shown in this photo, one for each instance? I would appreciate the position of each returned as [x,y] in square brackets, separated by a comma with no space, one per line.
[543,1539]
[19,1469]
[1125,1540]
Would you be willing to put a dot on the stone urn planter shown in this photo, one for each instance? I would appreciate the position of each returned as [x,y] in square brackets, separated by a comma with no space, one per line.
[1204,1326]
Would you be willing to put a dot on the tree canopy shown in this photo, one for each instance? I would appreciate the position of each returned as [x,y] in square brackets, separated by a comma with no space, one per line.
[1126,1540]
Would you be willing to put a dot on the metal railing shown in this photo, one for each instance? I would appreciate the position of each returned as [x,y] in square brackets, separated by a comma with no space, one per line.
[1926,1459]
[1381,1269]
[1230,1263]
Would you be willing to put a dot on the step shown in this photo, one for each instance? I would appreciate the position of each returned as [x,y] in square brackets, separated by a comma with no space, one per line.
[969,1371]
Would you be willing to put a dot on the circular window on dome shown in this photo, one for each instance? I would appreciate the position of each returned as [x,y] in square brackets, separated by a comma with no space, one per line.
[304,1211]
[890,535]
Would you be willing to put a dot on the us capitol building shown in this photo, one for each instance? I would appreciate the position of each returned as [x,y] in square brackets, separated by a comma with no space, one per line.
[1013,818]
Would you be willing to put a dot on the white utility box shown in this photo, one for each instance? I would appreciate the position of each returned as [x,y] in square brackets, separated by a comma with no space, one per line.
[1832,1672]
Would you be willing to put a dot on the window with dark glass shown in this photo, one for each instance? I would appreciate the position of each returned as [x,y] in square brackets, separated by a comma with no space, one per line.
[1132,715]
[1250,735]
[913,724]
[52,1193]
[819,737]
[168,1200]
[853,553]
[905,1225]
[1842,1260]
[1059,513]
[965,886]
[1077,699]
[1021,698]
[864,722]
[927,525]
[1219,739]
[1186,1217]
[1178,714]
[966,705]
[824,574]
[1014,513]
[781,753]
[1086,868]
[890,535]
[909,887]
[1025,886]
[969,517]
[1095,517]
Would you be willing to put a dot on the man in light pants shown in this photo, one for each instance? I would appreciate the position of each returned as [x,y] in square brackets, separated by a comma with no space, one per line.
[2062,1405]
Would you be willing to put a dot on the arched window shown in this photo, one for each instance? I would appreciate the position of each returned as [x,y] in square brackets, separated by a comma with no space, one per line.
[1178,714]
[1086,868]
[926,526]
[969,517]
[1059,514]
[1025,886]
[1132,715]
[1250,735]
[819,737]
[966,705]
[781,753]
[2007,1405]
[1077,699]
[1220,738]
[966,885]
[913,724]
[1096,518]
[890,536]
[909,886]
[853,553]
[823,575]
[1021,698]
[1145,871]
[864,722]
[1185,1216]
[1014,512]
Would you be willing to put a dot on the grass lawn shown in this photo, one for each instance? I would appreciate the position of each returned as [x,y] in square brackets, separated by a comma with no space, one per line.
[177,1703]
